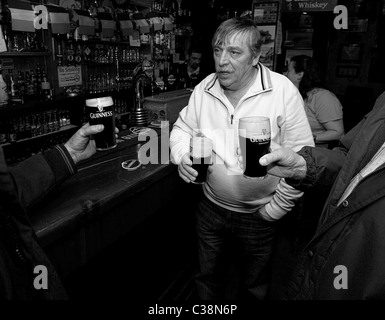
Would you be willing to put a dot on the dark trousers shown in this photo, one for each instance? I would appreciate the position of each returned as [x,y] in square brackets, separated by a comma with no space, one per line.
[250,237]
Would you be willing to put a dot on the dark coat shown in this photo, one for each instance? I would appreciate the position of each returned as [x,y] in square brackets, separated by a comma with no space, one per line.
[351,235]
[20,253]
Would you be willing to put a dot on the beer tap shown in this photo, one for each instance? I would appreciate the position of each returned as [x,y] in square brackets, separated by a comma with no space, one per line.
[144,70]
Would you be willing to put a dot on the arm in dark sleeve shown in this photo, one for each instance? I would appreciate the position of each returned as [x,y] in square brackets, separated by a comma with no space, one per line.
[323,166]
[36,176]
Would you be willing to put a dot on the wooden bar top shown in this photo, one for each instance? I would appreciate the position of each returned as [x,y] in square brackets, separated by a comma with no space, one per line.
[99,185]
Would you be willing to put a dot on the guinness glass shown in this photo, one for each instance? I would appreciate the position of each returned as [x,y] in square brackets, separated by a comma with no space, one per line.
[254,140]
[201,149]
[101,111]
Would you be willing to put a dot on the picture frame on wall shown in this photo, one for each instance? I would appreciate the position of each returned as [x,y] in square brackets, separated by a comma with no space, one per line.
[357,25]
[265,12]
[299,38]
[348,71]
[350,53]
[268,33]
[306,21]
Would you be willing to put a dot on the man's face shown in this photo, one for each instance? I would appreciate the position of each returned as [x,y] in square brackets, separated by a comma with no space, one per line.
[234,62]
[195,60]
[292,75]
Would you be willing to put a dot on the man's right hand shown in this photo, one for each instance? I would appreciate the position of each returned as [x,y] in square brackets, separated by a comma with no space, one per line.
[186,172]
[285,163]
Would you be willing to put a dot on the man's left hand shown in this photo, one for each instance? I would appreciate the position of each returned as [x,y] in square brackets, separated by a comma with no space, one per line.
[80,146]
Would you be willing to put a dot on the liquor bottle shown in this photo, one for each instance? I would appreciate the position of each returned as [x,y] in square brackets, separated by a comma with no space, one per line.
[28,127]
[3,89]
[21,85]
[6,25]
[13,90]
[30,80]
[59,54]
[3,131]
[46,93]
[21,131]
[13,130]
[98,29]
[39,78]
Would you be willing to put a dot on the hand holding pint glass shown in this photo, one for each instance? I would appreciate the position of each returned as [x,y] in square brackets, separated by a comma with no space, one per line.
[101,111]
[201,149]
[254,140]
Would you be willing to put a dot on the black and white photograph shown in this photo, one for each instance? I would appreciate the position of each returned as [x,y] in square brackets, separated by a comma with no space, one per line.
[192,158]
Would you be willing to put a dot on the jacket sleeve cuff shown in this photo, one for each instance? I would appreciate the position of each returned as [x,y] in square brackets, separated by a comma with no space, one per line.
[311,171]
[61,162]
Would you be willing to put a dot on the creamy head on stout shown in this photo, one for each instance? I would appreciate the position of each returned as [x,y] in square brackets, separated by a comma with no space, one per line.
[201,147]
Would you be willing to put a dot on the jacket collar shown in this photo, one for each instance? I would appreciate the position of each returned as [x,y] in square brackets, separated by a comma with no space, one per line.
[262,82]
[366,145]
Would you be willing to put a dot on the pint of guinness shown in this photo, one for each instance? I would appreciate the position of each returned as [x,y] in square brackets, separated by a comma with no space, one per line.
[201,149]
[101,111]
[254,140]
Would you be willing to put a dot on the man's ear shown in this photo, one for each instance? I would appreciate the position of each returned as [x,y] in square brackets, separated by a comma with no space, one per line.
[300,75]
[256,60]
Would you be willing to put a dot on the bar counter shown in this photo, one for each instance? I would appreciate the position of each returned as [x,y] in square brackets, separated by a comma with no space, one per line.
[101,203]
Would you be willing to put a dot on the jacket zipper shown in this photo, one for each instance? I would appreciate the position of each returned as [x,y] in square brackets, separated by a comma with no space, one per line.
[232,117]
[15,239]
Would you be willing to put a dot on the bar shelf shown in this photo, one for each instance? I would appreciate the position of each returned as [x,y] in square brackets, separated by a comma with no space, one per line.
[24,54]
[61,130]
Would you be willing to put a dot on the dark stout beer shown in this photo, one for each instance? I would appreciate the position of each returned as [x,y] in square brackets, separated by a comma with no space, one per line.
[200,155]
[254,140]
[101,111]
[201,165]
[254,151]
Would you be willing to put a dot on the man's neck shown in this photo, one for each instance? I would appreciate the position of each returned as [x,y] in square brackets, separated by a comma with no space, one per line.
[235,96]
[190,69]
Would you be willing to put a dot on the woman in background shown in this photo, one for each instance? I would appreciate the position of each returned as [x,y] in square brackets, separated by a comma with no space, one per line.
[323,109]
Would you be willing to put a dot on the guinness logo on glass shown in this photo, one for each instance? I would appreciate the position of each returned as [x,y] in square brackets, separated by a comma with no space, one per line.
[100,108]
[253,139]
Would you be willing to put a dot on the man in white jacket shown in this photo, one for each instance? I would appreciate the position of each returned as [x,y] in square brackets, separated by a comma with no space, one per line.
[234,207]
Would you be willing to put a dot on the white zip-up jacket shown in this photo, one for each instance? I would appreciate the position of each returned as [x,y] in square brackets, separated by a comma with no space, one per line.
[210,113]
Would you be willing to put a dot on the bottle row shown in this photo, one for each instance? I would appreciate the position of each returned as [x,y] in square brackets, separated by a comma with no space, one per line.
[22,42]
[104,82]
[69,53]
[16,86]
[29,125]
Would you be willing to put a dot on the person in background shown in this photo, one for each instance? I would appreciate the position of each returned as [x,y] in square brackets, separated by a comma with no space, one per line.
[345,259]
[322,107]
[237,212]
[190,73]
[21,187]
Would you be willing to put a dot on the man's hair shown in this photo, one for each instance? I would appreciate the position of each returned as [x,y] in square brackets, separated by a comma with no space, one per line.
[312,77]
[240,26]
[195,48]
